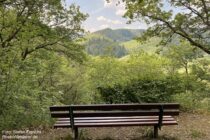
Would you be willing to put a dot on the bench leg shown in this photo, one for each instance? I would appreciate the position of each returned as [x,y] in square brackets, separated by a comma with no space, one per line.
[155,131]
[76,133]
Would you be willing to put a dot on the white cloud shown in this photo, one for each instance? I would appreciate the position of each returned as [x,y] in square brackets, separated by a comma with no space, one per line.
[111,3]
[116,22]
[118,6]
[120,9]
[104,26]
[120,12]
[102,18]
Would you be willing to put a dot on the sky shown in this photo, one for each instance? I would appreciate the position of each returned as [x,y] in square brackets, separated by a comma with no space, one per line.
[104,15]
[109,15]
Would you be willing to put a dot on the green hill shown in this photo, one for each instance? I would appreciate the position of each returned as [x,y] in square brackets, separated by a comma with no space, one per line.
[120,35]
[118,43]
[149,46]
[98,45]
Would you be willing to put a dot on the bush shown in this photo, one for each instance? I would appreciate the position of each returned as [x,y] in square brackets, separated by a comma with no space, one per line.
[192,102]
[142,90]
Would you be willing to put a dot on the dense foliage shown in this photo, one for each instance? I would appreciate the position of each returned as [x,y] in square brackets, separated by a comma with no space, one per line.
[35,39]
[102,46]
[43,63]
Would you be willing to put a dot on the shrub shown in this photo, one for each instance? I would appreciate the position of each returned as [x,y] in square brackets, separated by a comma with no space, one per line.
[142,90]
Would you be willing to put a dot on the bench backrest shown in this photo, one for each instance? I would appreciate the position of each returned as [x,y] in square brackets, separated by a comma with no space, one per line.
[111,110]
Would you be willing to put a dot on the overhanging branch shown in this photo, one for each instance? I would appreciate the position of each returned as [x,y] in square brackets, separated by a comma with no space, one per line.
[181,33]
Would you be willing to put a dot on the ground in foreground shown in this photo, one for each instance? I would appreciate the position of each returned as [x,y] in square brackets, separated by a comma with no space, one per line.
[191,126]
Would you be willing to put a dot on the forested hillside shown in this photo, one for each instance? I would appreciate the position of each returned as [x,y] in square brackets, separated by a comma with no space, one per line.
[108,42]
[99,45]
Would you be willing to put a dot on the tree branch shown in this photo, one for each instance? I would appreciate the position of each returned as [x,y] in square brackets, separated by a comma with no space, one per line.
[181,33]
[5,43]
[193,10]
[27,51]
[11,36]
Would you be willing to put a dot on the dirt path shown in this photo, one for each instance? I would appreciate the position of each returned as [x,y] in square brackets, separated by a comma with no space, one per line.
[191,126]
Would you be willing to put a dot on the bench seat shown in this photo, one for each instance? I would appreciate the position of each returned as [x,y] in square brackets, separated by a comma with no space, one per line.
[114,121]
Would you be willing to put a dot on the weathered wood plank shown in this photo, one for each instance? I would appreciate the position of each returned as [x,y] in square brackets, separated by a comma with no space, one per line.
[151,123]
[112,121]
[116,106]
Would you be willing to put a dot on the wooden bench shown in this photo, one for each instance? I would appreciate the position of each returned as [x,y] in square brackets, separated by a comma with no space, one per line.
[113,115]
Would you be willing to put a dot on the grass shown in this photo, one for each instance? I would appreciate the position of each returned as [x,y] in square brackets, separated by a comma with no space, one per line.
[195,134]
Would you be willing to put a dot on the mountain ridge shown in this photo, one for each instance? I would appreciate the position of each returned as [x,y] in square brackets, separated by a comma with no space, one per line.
[120,35]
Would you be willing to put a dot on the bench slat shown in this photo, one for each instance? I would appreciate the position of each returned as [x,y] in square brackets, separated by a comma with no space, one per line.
[123,124]
[116,120]
[125,113]
[114,113]
[151,123]
[108,118]
[116,106]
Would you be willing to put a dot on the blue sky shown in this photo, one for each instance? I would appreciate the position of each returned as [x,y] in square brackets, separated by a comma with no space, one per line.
[108,15]
[104,15]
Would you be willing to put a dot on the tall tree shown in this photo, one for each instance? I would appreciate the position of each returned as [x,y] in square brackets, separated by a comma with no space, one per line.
[40,32]
[189,19]
[30,25]
[182,54]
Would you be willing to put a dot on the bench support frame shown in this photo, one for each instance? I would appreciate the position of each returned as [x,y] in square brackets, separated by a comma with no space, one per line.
[155,135]
[76,133]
